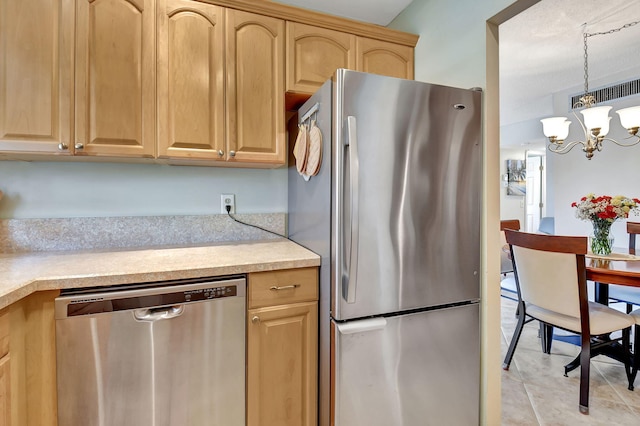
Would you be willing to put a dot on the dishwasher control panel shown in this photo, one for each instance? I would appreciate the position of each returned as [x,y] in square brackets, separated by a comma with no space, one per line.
[210,293]
[147,297]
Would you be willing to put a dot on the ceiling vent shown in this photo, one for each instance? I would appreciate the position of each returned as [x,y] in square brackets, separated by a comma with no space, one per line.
[610,93]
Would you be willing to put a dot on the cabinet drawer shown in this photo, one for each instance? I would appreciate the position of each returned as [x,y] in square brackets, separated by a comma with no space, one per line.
[282,287]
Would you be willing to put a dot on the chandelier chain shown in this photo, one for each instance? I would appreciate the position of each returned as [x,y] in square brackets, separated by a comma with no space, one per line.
[586,54]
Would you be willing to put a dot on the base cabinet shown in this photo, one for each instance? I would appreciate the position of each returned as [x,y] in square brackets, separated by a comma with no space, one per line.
[5,370]
[282,342]
[28,395]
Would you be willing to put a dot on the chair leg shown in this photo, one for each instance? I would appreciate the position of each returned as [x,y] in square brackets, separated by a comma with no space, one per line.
[635,359]
[546,337]
[628,361]
[516,337]
[585,366]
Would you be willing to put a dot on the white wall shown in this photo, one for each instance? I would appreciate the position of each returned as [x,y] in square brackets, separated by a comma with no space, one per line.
[63,189]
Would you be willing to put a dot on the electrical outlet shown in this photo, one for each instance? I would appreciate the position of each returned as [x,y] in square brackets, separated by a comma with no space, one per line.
[227,200]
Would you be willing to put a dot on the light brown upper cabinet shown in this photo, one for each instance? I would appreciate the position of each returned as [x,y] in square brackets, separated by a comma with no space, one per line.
[190,80]
[255,120]
[112,113]
[115,78]
[36,75]
[384,58]
[313,55]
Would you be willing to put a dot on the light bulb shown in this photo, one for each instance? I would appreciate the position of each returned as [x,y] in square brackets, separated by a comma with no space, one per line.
[630,117]
[596,117]
[554,126]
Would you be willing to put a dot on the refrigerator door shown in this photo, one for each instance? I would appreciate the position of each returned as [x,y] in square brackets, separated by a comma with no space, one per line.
[415,369]
[407,185]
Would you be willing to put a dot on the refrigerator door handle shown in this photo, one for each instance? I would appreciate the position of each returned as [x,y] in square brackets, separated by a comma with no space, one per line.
[361,326]
[354,166]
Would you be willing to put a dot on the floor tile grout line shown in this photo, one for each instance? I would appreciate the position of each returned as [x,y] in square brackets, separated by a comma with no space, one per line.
[615,390]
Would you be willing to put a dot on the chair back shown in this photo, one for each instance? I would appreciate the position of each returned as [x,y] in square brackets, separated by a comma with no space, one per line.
[633,229]
[505,262]
[512,224]
[547,225]
[550,271]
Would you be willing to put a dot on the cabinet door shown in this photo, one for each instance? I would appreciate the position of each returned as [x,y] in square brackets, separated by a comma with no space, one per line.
[36,76]
[5,370]
[190,80]
[384,58]
[115,78]
[33,360]
[5,390]
[313,55]
[255,88]
[282,365]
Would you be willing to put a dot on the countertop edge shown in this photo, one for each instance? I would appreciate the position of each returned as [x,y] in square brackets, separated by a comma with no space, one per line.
[143,266]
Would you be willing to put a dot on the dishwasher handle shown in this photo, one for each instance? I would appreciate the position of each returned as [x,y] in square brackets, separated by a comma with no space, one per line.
[156,314]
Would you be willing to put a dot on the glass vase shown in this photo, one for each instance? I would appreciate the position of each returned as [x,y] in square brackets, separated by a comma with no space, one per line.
[600,241]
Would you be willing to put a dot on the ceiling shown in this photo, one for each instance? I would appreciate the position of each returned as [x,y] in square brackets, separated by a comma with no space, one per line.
[542,52]
[541,49]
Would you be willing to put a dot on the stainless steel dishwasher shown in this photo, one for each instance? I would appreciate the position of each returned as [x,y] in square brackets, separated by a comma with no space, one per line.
[160,354]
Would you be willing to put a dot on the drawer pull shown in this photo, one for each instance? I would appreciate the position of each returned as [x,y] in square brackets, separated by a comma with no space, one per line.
[255,319]
[284,287]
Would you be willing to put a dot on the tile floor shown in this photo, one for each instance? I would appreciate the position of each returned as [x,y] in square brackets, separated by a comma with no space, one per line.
[535,391]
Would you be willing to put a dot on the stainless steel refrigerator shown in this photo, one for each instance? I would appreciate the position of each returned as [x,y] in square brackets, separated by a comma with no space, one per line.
[394,212]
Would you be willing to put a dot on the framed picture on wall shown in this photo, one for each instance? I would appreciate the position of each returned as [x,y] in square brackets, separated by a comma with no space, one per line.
[517,177]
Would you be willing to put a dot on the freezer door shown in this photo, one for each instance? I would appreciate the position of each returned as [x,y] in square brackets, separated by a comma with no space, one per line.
[408,187]
[416,369]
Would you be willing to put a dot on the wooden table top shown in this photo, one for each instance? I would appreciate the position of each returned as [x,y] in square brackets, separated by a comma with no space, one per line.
[623,272]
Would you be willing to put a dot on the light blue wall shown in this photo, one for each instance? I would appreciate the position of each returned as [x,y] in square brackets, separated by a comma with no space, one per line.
[452,45]
[78,189]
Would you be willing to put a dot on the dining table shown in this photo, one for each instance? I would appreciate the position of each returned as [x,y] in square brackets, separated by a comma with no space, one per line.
[617,268]
[621,268]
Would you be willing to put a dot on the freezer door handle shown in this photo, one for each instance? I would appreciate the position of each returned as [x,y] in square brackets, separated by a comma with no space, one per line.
[155,314]
[352,327]
[350,281]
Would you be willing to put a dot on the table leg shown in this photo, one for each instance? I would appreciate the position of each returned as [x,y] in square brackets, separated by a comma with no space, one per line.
[602,293]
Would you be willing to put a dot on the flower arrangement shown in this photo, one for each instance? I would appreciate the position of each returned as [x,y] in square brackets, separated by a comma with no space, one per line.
[602,211]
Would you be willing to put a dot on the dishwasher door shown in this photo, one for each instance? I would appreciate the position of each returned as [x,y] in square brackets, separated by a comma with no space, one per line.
[172,354]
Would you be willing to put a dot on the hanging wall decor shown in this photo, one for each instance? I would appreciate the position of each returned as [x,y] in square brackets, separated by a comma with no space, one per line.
[517,177]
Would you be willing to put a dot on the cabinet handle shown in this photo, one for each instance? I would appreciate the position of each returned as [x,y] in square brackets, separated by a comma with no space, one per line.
[63,146]
[284,287]
[79,145]
[255,319]
[232,153]
[220,153]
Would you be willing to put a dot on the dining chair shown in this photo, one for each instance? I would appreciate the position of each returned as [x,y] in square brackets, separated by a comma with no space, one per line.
[507,283]
[551,282]
[636,348]
[627,294]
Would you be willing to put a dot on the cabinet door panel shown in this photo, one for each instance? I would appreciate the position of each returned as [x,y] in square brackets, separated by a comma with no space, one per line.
[190,80]
[5,390]
[36,91]
[255,82]
[313,55]
[281,365]
[115,69]
[380,57]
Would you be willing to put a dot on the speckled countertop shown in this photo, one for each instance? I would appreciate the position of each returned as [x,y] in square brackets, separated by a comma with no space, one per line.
[23,274]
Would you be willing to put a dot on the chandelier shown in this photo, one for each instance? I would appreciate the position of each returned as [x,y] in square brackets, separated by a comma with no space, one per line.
[595,123]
